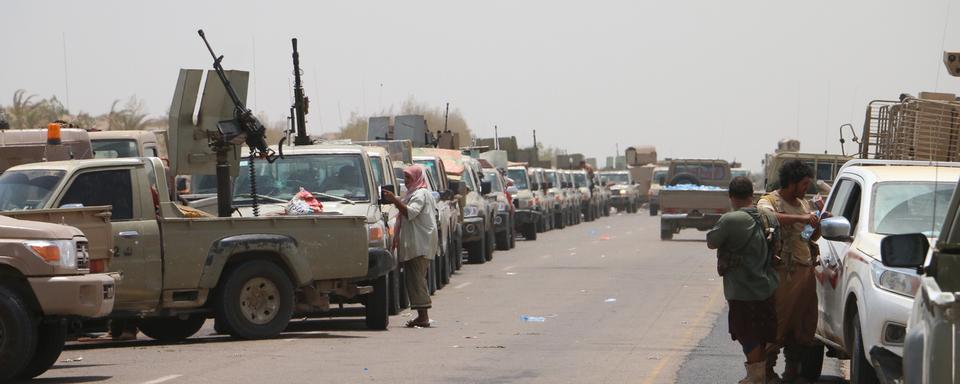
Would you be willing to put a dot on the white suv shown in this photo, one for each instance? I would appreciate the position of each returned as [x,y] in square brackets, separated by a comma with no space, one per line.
[863,305]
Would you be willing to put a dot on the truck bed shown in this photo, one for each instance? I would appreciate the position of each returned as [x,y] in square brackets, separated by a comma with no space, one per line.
[687,201]
[330,246]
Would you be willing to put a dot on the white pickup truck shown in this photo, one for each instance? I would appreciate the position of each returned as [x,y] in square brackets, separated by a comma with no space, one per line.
[932,344]
[863,304]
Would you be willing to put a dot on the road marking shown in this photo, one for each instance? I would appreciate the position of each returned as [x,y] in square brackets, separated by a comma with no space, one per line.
[162,379]
[684,340]
[461,285]
[509,267]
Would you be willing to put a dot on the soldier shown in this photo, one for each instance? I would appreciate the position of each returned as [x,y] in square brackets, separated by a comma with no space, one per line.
[744,259]
[796,297]
[417,241]
[590,171]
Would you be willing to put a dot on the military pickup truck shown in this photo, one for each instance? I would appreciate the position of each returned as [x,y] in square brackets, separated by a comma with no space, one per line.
[44,288]
[251,273]
[528,214]
[22,146]
[695,195]
[625,195]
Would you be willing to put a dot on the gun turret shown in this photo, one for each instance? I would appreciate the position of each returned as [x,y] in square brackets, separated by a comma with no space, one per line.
[300,102]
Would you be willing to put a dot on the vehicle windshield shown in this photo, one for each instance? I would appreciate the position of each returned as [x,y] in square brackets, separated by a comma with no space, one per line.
[23,190]
[203,184]
[491,176]
[703,171]
[552,178]
[111,149]
[580,179]
[432,166]
[617,178]
[660,177]
[468,180]
[739,172]
[377,164]
[915,207]
[519,176]
[341,175]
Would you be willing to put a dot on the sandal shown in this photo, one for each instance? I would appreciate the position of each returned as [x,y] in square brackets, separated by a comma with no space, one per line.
[416,324]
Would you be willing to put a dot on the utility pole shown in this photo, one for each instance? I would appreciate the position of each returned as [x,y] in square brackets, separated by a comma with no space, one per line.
[616,155]
[496,138]
[446,114]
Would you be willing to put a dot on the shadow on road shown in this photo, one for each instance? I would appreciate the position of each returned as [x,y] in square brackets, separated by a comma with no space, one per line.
[74,379]
[297,332]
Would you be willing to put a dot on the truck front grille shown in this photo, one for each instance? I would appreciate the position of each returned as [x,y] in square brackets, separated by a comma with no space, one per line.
[83,256]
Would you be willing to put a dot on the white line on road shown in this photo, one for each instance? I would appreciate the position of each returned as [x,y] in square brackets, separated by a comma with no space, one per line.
[509,267]
[461,285]
[162,379]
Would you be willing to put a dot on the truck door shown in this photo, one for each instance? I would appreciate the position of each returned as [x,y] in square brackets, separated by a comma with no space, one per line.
[845,201]
[136,234]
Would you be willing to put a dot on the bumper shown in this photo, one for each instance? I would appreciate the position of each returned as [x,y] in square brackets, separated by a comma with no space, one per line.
[473,229]
[683,220]
[502,221]
[621,200]
[83,295]
[888,310]
[381,262]
[526,216]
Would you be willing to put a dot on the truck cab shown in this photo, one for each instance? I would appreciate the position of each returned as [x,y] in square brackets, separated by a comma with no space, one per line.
[117,144]
[624,191]
[930,348]
[525,202]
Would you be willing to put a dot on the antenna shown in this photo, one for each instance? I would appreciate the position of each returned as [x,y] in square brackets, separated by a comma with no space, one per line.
[66,79]
[496,137]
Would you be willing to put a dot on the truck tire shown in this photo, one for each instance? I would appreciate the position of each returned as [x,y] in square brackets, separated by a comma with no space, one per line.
[458,249]
[529,231]
[171,329]
[395,305]
[654,209]
[445,270]
[376,314]
[861,372]
[491,244]
[558,221]
[503,240]
[476,252]
[684,178]
[50,341]
[811,365]
[666,233]
[256,301]
[432,277]
[18,334]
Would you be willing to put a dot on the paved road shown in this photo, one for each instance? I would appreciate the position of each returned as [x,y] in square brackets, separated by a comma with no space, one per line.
[619,306]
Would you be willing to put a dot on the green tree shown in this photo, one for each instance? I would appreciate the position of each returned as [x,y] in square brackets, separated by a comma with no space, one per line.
[129,118]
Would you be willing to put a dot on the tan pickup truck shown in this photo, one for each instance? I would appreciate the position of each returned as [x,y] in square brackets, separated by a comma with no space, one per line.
[44,288]
[179,268]
[695,195]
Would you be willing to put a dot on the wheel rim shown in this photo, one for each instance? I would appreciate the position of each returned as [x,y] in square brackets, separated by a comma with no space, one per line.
[259,300]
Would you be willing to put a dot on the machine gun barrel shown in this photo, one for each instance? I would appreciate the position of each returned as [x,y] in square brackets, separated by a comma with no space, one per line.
[299,101]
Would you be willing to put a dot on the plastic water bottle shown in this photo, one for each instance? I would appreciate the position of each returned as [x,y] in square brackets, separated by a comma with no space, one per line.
[808,229]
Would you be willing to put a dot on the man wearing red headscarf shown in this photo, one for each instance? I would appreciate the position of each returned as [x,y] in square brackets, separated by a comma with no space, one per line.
[416,244]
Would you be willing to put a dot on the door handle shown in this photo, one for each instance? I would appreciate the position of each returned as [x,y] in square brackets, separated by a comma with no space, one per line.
[129,234]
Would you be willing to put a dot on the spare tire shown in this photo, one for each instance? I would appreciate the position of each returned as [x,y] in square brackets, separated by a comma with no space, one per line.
[684,178]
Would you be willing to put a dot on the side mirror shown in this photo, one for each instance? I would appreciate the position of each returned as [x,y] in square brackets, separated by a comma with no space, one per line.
[534,187]
[633,183]
[182,184]
[835,228]
[457,187]
[904,251]
[485,187]
[447,195]
[512,190]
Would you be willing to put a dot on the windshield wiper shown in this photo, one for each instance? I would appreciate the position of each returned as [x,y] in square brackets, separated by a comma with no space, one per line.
[343,199]
[264,197]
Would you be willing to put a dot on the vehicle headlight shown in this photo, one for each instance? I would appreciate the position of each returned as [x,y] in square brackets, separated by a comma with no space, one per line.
[471,210]
[502,206]
[895,281]
[55,252]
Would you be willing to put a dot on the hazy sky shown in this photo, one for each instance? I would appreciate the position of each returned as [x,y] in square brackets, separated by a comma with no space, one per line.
[701,78]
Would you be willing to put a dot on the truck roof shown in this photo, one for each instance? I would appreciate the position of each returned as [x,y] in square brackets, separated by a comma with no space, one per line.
[914,173]
[114,135]
[315,149]
[69,165]
[16,137]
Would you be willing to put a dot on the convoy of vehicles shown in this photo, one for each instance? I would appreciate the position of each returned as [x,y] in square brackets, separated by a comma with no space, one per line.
[45,287]
[695,195]
[864,306]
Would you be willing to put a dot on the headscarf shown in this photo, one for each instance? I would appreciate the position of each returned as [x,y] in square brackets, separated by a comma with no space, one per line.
[418,180]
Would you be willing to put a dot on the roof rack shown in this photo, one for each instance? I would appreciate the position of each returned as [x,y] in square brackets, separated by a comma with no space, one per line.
[882,163]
